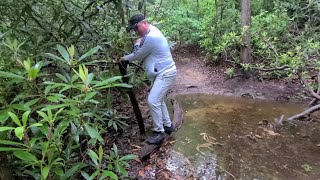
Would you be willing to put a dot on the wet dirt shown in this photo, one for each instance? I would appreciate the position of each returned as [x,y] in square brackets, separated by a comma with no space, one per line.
[248,146]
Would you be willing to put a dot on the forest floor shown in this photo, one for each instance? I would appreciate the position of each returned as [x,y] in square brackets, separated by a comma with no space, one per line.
[196,76]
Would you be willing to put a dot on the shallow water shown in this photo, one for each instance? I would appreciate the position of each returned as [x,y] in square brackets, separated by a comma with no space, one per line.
[235,138]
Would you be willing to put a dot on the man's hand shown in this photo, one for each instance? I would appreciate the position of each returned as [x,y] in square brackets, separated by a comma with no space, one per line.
[138,41]
[121,59]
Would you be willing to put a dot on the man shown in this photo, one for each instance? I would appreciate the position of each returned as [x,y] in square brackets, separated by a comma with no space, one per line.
[153,49]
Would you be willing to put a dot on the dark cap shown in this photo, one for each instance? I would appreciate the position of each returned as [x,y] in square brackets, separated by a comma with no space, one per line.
[135,20]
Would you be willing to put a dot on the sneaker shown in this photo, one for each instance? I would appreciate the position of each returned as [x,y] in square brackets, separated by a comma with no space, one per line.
[168,130]
[156,138]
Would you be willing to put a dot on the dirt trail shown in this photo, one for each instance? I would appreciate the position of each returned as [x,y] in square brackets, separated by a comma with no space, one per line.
[194,76]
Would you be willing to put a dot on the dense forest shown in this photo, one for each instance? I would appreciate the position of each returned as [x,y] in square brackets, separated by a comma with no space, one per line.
[58,69]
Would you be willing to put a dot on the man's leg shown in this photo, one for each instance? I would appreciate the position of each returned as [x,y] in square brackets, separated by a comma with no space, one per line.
[155,99]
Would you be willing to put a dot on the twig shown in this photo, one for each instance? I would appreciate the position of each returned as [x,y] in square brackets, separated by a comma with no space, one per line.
[281,119]
[226,171]
[271,69]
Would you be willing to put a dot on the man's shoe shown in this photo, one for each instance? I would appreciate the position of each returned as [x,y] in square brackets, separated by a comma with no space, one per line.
[156,138]
[168,130]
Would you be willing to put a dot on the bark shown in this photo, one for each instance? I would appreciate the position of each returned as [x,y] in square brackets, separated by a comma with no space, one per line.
[5,169]
[123,70]
[120,12]
[245,52]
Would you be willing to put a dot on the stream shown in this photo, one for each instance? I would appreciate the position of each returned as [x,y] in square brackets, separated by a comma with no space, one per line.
[236,138]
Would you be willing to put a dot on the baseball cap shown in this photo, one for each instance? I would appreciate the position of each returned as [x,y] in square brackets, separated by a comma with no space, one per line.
[135,20]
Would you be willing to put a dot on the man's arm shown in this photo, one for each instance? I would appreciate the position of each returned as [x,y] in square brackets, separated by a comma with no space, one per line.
[140,53]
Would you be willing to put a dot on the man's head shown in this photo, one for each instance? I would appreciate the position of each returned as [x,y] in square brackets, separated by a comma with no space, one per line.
[139,24]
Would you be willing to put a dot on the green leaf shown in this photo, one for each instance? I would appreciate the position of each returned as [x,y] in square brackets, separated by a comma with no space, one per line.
[19,132]
[54,57]
[10,149]
[20,107]
[26,156]
[64,53]
[72,171]
[15,118]
[57,113]
[128,157]
[3,116]
[43,115]
[82,74]
[89,96]
[60,129]
[32,73]
[58,171]
[121,169]
[122,85]
[45,172]
[11,143]
[307,167]
[53,99]
[49,107]
[89,78]
[60,76]
[11,75]
[94,157]
[100,153]
[65,88]
[25,118]
[93,133]
[36,125]
[108,81]
[95,174]
[47,90]
[110,174]
[90,52]
[4,128]
[32,102]
[85,175]
[115,149]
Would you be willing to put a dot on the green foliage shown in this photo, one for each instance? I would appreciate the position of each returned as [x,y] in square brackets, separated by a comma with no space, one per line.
[44,123]
[307,167]
[118,163]
[221,32]
[100,172]
[230,72]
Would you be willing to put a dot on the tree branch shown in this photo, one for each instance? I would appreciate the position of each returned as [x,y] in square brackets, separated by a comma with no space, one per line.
[271,69]
[308,86]
[304,113]
[318,92]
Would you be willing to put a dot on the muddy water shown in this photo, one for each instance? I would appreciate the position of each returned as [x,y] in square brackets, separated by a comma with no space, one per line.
[234,138]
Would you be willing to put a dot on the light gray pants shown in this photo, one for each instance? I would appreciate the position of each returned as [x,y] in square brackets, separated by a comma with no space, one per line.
[156,100]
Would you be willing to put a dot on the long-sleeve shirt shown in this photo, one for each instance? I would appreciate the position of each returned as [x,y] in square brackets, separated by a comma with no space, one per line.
[155,53]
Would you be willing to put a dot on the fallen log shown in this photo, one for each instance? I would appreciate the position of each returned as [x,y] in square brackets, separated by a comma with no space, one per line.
[177,119]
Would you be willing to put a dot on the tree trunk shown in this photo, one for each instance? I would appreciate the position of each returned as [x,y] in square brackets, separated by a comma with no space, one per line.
[120,12]
[245,52]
